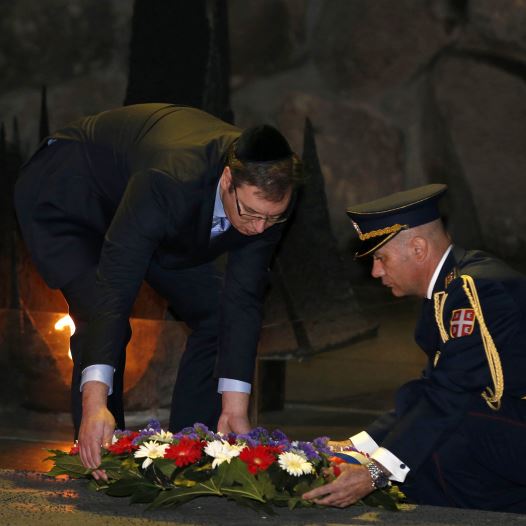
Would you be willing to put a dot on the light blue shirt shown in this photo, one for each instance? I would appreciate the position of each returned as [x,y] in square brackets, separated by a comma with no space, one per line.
[104,373]
[220,222]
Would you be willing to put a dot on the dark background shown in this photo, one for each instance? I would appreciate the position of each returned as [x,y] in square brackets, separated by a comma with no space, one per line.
[399,93]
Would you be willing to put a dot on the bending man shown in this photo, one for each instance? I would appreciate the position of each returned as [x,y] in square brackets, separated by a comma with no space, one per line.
[156,192]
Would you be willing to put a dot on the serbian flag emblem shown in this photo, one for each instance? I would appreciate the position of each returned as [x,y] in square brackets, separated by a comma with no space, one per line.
[462,322]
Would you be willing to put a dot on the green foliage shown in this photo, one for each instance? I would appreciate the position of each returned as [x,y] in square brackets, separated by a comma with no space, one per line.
[165,467]
[381,499]
[68,465]
[127,488]
[177,496]
[199,473]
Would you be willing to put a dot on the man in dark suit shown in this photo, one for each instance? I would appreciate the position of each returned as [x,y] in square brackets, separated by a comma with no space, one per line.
[156,192]
[456,436]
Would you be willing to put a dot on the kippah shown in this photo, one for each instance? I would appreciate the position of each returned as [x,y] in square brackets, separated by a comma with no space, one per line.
[262,143]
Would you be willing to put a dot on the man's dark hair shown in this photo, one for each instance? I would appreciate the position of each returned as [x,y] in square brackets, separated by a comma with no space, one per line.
[262,157]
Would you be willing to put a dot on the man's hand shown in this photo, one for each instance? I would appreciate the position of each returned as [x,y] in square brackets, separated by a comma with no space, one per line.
[353,484]
[96,428]
[234,416]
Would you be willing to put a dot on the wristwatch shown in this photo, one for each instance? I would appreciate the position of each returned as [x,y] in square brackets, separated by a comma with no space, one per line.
[379,478]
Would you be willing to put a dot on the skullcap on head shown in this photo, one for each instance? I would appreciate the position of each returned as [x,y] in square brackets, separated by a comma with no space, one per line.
[262,143]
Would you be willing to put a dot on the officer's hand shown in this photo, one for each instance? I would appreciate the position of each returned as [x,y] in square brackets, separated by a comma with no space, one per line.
[96,428]
[234,416]
[353,483]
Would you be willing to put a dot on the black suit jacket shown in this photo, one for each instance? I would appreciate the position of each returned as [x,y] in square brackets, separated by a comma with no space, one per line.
[131,184]
[429,410]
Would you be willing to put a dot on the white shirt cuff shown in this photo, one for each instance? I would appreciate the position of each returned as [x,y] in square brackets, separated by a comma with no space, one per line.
[228,384]
[397,468]
[363,442]
[98,373]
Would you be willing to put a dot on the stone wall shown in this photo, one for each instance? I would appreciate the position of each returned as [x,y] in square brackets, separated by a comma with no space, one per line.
[78,48]
[399,92]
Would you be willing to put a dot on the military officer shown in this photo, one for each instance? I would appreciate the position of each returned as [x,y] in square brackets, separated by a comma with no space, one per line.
[456,435]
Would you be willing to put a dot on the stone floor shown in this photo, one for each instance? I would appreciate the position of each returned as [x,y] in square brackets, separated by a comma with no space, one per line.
[29,499]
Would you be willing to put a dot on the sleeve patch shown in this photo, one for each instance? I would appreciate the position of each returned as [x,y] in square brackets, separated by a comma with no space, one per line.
[462,323]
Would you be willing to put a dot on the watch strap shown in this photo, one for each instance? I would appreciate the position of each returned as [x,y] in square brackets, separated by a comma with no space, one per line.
[378,477]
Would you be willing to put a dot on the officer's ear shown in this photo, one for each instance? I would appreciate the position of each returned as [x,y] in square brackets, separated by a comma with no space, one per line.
[420,248]
[226,179]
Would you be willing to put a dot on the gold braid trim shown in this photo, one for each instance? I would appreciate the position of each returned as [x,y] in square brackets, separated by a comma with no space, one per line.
[381,232]
[439,302]
[492,397]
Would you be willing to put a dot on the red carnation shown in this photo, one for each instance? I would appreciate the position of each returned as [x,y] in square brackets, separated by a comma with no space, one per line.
[74,449]
[124,444]
[259,458]
[186,451]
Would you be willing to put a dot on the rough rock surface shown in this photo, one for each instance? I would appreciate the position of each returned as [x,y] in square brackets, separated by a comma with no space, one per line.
[54,43]
[503,22]
[481,105]
[361,153]
[366,47]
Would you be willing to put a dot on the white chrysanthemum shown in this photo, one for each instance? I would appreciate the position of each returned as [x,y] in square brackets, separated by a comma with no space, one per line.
[295,464]
[163,436]
[221,451]
[150,450]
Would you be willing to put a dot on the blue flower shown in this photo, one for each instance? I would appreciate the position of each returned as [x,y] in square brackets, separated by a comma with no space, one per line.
[152,428]
[307,448]
[285,444]
[186,431]
[320,444]
[155,425]
[201,428]
[248,440]
[260,434]
[278,435]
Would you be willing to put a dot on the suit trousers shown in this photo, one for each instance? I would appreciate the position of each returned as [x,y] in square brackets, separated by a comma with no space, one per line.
[193,295]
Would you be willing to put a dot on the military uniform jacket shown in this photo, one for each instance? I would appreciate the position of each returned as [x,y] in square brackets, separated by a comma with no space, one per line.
[430,410]
[137,183]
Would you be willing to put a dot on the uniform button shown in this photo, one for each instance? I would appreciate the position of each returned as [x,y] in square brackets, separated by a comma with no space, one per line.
[402,466]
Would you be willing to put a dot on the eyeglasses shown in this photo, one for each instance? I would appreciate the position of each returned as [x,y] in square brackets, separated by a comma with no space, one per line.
[255,217]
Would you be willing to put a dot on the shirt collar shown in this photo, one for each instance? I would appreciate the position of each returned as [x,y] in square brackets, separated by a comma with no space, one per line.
[219,209]
[437,272]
